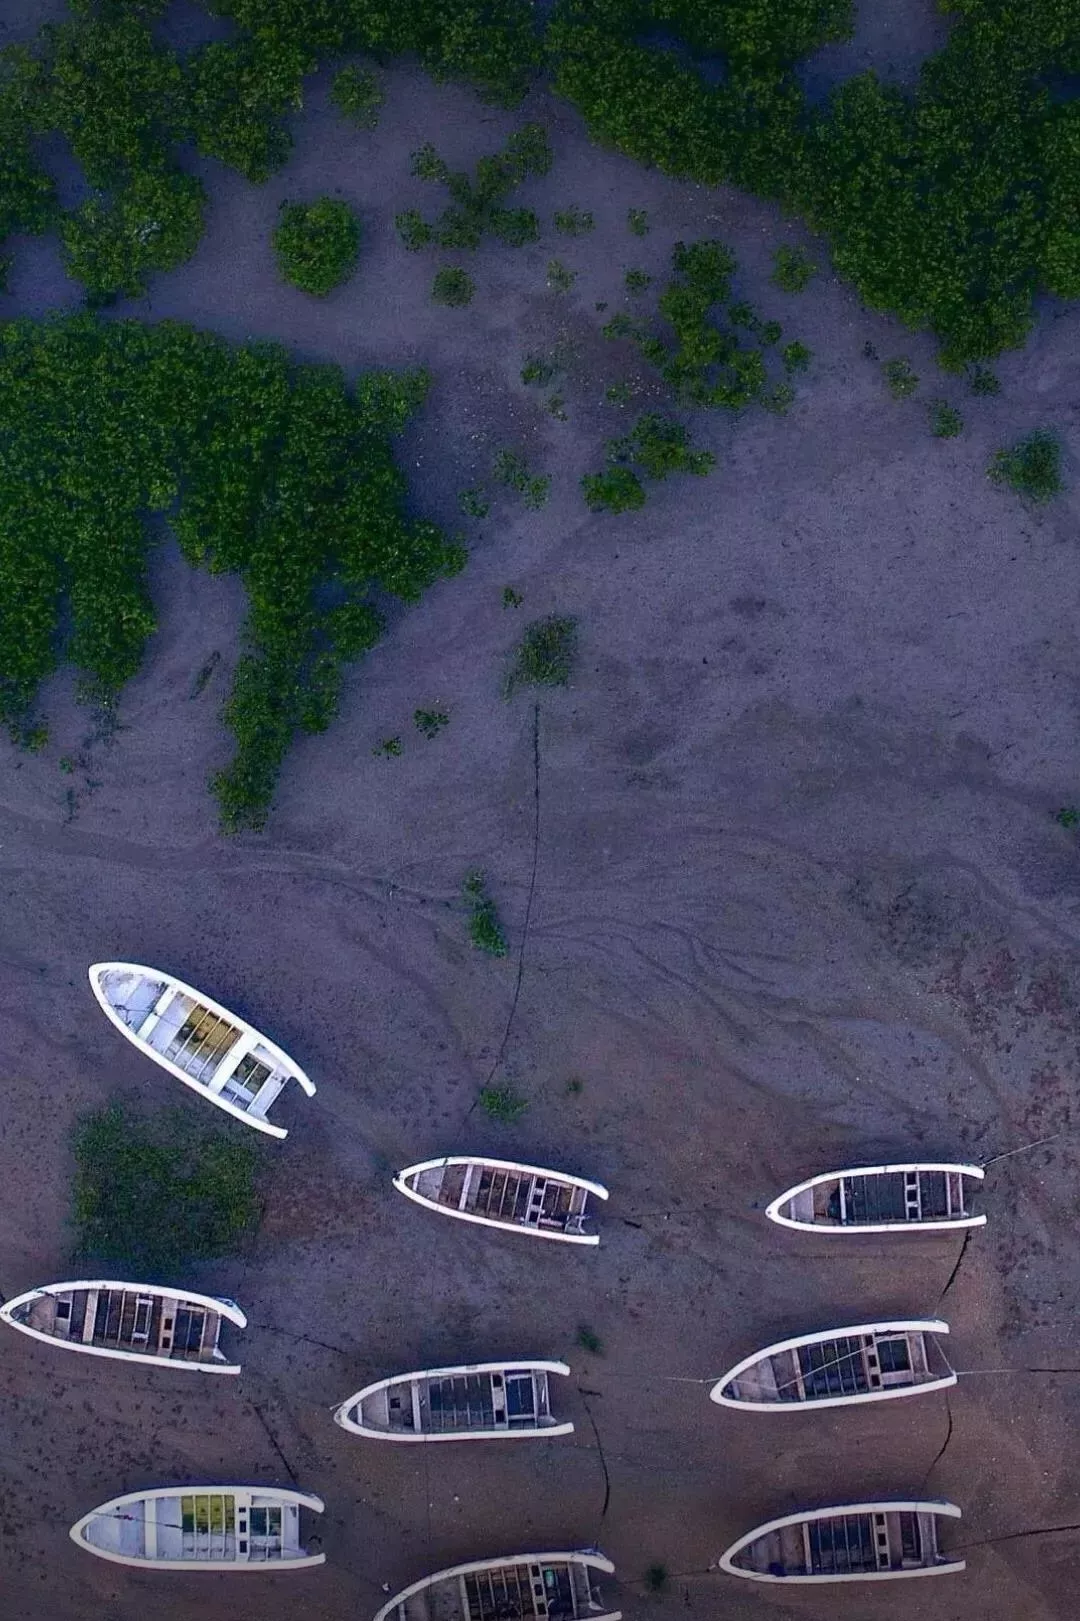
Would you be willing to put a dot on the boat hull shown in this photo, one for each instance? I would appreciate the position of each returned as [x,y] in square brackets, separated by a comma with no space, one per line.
[371,1432]
[805,1195]
[97,973]
[120,1509]
[721,1391]
[943,1567]
[225,1309]
[589,1559]
[562,1178]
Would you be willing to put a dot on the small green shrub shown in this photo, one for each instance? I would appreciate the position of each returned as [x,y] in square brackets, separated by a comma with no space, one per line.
[156,1193]
[358,96]
[615,490]
[901,379]
[453,287]
[485,930]
[413,230]
[660,445]
[539,369]
[559,278]
[511,469]
[796,357]
[1068,816]
[619,393]
[637,220]
[474,503]
[575,1086]
[769,332]
[656,1578]
[556,407]
[388,749]
[317,244]
[546,653]
[792,269]
[945,420]
[589,1340]
[511,598]
[430,722]
[779,399]
[574,221]
[981,380]
[1032,467]
[502,1103]
[637,281]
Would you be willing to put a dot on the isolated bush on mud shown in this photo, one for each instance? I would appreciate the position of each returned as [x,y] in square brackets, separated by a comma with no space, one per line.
[317,244]
[546,654]
[358,96]
[1031,467]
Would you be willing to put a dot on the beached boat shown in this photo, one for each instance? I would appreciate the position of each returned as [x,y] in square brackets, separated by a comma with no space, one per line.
[857,1542]
[560,1586]
[840,1367]
[138,1322]
[201,1528]
[882,1199]
[210,1049]
[478,1402]
[501,1193]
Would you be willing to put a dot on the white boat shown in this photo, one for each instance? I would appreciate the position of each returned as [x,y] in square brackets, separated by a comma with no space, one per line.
[856,1542]
[482,1401]
[213,1051]
[502,1193]
[839,1368]
[137,1322]
[561,1586]
[201,1528]
[922,1197]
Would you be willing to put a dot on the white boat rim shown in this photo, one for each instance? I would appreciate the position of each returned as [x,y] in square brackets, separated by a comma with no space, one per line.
[774,1208]
[912,1325]
[537,1364]
[890,1506]
[589,1556]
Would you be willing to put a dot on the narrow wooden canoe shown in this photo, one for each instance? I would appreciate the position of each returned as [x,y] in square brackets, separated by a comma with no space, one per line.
[528,1584]
[840,1368]
[502,1193]
[220,1528]
[137,1322]
[921,1198]
[201,1043]
[482,1401]
[856,1542]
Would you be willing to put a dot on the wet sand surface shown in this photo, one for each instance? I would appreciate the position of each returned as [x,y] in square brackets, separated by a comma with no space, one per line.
[800,901]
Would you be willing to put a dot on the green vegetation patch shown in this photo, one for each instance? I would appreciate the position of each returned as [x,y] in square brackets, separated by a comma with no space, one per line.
[511,468]
[278,473]
[502,1103]
[358,96]
[485,929]
[712,350]
[1032,467]
[574,221]
[793,269]
[945,420]
[546,654]
[453,287]
[477,202]
[656,446]
[901,380]
[154,1193]
[317,244]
